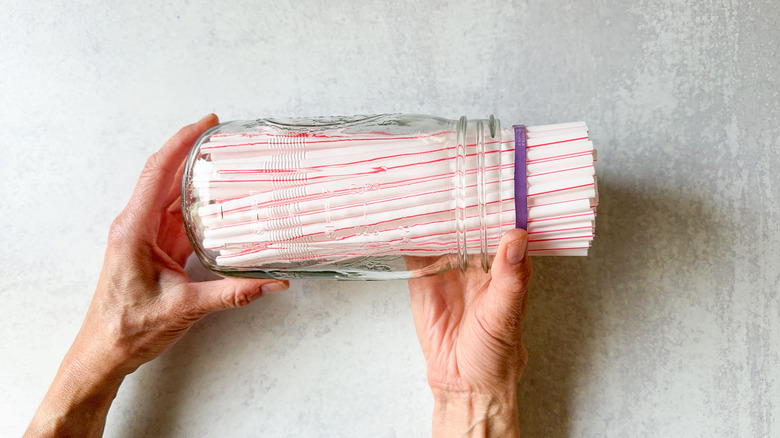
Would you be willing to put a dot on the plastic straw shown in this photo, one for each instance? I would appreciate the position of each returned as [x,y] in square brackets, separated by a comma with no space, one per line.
[388,195]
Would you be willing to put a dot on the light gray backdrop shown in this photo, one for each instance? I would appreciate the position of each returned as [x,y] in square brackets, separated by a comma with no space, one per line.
[670,328]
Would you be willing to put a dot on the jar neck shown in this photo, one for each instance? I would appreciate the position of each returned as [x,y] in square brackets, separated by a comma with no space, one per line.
[484,194]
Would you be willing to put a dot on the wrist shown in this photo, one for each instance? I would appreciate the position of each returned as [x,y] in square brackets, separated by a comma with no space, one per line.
[473,414]
[79,398]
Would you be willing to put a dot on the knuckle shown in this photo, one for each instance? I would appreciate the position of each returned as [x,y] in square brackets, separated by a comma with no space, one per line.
[124,228]
[523,353]
[152,168]
[239,298]
[117,230]
[161,162]
[153,162]
[522,360]
[156,165]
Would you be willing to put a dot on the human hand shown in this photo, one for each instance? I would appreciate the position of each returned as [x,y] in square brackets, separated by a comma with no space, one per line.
[469,326]
[144,301]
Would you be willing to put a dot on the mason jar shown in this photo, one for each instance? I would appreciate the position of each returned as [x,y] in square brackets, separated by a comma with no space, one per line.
[385,196]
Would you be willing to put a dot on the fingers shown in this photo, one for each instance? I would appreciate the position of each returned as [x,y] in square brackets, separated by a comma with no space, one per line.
[174,194]
[154,190]
[511,273]
[172,237]
[227,293]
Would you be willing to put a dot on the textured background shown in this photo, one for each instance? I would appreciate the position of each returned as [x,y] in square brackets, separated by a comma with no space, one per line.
[670,328]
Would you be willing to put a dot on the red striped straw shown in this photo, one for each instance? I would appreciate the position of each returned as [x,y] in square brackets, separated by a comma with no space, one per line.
[330,196]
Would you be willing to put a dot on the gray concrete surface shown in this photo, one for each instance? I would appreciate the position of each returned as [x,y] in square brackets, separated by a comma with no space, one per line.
[671,327]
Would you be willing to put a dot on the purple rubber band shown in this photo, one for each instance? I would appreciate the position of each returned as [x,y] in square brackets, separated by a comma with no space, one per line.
[521,190]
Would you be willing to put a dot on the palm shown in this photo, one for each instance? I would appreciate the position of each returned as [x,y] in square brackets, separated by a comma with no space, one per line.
[466,344]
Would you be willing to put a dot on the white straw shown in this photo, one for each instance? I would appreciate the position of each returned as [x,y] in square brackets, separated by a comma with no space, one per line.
[327,198]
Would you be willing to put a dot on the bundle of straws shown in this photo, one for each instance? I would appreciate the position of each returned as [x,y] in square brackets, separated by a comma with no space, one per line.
[267,199]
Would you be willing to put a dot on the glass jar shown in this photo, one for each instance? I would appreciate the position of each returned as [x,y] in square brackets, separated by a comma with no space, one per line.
[383,197]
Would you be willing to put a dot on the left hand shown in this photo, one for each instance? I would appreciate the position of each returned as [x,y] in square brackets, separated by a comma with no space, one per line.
[144,301]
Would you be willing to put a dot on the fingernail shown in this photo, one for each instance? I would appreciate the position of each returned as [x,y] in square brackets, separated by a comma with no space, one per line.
[515,251]
[273,287]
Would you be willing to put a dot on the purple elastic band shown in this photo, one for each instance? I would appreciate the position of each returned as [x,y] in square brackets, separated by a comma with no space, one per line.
[521,190]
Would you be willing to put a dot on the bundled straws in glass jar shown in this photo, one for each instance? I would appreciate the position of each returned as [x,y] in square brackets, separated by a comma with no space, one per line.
[274,193]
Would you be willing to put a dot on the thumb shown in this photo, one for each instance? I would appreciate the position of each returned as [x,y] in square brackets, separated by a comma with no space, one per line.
[233,292]
[511,272]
